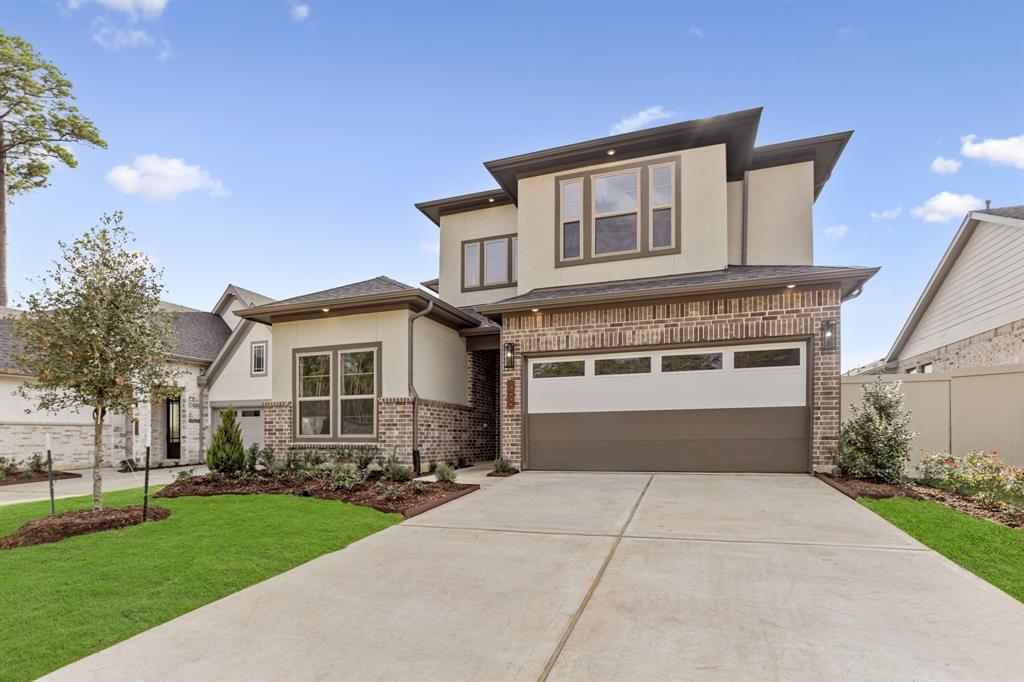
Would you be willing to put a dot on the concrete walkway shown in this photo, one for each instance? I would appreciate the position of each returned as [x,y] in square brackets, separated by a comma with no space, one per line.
[599,577]
[73,487]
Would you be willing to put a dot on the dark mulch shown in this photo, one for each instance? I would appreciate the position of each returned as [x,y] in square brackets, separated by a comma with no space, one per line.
[502,474]
[78,522]
[15,479]
[407,502]
[858,487]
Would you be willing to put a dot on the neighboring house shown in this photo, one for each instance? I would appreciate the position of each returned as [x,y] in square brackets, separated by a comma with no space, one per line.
[647,301]
[971,313]
[179,427]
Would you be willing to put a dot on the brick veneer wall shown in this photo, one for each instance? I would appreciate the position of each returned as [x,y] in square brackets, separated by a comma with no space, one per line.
[446,430]
[1003,345]
[738,318]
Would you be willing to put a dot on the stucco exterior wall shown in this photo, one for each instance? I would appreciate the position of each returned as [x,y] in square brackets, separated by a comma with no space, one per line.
[439,362]
[234,382]
[734,199]
[458,227]
[703,213]
[13,408]
[780,202]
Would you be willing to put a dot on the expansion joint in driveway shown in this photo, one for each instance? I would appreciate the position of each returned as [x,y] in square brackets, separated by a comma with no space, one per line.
[593,586]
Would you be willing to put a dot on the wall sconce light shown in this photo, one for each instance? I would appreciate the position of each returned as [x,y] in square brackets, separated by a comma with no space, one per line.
[828,334]
[510,356]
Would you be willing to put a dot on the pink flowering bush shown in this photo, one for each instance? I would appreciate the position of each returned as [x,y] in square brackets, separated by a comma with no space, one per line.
[978,474]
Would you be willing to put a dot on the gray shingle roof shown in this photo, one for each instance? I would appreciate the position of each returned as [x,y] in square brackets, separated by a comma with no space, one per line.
[8,348]
[1006,212]
[250,297]
[734,274]
[369,287]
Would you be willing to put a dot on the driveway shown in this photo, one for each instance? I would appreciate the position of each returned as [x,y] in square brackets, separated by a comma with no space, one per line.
[72,487]
[604,576]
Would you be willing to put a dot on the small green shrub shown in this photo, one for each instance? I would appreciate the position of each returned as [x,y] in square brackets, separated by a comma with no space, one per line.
[27,473]
[503,466]
[445,473]
[226,453]
[293,460]
[418,487]
[393,492]
[252,456]
[347,477]
[182,475]
[395,471]
[312,458]
[8,467]
[363,456]
[36,464]
[462,461]
[128,464]
[875,441]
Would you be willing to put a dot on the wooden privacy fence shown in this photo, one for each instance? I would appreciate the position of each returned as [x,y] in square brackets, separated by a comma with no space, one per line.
[967,409]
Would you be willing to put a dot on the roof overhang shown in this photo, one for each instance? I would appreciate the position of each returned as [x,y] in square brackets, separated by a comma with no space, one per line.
[737,131]
[824,151]
[414,300]
[850,281]
[465,202]
[432,284]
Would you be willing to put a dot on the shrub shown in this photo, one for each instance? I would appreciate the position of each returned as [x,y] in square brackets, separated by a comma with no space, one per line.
[393,492]
[293,460]
[462,462]
[312,458]
[503,466]
[8,467]
[226,454]
[364,456]
[252,456]
[182,475]
[36,464]
[875,441]
[128,465]
[979,474]
[445,473]
[393,470]
[347,477]
[418,487]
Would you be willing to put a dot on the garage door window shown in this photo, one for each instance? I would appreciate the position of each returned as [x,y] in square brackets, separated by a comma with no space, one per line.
[774,357]
[250,413]
[692,362]
[550,370]
[609,366]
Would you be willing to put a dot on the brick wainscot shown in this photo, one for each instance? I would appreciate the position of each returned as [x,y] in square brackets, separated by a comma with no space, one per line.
[734,317]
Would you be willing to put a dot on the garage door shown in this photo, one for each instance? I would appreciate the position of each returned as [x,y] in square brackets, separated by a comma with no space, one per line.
[250,422]
[737,408]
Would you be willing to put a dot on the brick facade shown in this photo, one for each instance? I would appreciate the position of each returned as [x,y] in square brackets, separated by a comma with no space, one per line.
[445,430]
[1000,346]
[752,317]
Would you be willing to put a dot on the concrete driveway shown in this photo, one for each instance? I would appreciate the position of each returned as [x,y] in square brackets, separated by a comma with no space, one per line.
[604,576]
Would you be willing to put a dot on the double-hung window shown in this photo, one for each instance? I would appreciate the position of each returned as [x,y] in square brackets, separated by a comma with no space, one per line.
[357,411]
[313,394]
[490,263]
[662,200]
[617,213]
[258,359]
[570,232]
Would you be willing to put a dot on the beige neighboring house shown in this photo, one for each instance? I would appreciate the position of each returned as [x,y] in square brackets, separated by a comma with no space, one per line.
[646,301]
[180,427]
[971,313]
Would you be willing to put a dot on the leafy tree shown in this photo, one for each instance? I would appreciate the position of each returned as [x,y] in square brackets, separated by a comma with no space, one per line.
[875,441]
[226,453]
[94,335]
[37,121]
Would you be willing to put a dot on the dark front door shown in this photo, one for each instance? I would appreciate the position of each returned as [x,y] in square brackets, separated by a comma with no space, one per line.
[174,428]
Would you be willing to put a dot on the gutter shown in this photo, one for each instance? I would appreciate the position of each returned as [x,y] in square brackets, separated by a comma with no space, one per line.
[412,389]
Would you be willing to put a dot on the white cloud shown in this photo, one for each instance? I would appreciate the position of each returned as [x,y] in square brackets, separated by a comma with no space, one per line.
[433,248]
[148,9]
[113,38]
[887,214]
[944,166]
[836,231]
[299,11]
[696,32]
[642,119]
[160,178]
[165,52]
[946,206]
[1008,152]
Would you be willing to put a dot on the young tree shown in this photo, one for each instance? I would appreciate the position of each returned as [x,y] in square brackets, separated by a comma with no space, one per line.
[94,336]
[226,453]
[875,441]
[37,121]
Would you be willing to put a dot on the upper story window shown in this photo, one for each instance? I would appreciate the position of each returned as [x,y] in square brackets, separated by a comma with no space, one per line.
[630,211]
[258,359]
[490,263]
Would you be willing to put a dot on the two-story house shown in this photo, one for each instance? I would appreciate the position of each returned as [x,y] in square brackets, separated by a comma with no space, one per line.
[646,301]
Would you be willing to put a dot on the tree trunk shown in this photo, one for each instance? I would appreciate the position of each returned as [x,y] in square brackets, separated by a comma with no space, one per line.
[97,459]
[3,222]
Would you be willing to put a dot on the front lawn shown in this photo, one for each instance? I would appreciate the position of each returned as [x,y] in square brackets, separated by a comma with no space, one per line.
[990,550]
[65,600]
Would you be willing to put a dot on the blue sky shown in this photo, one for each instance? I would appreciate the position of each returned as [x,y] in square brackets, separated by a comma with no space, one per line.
[306,131]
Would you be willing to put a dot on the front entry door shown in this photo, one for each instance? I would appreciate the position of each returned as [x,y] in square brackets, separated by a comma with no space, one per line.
[174,428]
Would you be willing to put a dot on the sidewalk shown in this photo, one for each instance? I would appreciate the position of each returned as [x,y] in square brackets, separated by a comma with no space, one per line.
[73,487]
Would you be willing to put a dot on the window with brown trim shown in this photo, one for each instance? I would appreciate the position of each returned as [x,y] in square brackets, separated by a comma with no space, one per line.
[607,366]
[772,357]
[691,362]
[313,394]
[490,262]
[336,392]
[559,368]
[628,211]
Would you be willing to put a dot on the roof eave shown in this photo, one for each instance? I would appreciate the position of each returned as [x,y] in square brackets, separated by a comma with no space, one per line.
[462,203]
[354,304]
[823,150]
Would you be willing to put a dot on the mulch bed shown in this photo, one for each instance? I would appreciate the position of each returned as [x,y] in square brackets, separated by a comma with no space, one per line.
[502,474]
[857,487]
[15,479]
[78,522]
[368,494]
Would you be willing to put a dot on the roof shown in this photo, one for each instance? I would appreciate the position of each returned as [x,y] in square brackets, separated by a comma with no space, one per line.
[432,284]
[737,131]
[732,278]
[9,346]
[247,297]
[379,293]
[1010,215]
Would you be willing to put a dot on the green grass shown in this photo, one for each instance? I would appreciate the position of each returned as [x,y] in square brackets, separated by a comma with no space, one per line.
[65,600]
[990,550]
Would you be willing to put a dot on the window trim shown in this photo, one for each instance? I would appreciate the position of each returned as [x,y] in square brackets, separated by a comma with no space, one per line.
[652,207]
[252,358]
[479,258]
[595,216]
[362,396]
[335,394]
[562,222]
[645,215]
[297,399]
[512,276]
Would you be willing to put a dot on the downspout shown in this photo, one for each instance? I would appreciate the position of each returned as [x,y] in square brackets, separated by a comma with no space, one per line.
[412,390]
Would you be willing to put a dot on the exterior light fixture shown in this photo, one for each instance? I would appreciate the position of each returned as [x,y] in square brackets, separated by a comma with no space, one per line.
[510,356]
[490,200]
[828,334]
[611,152]
[326,310]
[790,286]
[535,310]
